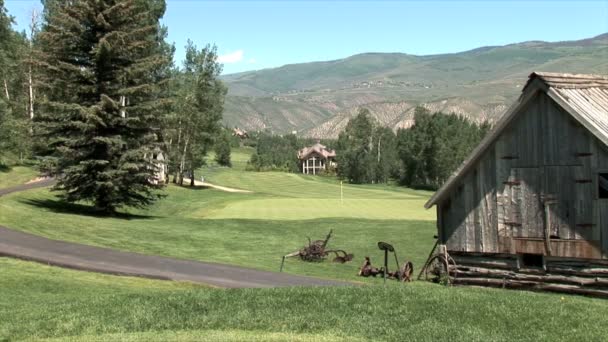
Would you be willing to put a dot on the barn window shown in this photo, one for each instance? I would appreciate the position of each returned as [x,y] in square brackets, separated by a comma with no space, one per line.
[532,260]
[602,185]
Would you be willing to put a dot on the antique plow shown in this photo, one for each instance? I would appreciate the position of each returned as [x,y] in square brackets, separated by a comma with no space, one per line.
[317,251]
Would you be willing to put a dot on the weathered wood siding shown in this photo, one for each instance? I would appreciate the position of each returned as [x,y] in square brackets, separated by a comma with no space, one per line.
[543,167]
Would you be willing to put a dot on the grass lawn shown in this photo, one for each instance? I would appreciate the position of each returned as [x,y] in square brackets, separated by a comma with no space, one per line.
[255,230]
[40,302]
[178,226]
[248,229]
[16,175]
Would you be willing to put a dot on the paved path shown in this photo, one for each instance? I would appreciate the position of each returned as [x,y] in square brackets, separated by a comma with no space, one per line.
[89,258]
[218,187]
[39,184]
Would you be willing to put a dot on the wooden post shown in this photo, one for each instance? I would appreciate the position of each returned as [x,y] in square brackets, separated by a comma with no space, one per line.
[548,203]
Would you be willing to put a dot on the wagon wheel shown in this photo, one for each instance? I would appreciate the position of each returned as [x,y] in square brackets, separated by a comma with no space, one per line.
[406,271]
[437,269]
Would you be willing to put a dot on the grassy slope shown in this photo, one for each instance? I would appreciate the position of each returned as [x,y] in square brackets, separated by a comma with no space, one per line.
[45,302]
[16,175]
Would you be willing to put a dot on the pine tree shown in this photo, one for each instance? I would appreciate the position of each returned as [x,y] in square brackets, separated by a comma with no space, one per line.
[103,109]
[354,151]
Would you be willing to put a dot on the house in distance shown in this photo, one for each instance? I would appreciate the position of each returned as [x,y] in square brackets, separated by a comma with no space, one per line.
[316,158]
[529,207]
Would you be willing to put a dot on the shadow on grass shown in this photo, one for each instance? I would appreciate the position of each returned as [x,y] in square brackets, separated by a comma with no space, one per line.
[4,168]
[195,187]
[59,206]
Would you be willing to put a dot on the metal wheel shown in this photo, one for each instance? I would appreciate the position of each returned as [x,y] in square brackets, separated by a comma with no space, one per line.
[437,269]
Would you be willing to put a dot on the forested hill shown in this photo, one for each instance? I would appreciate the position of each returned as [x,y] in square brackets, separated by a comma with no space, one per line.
[317,99]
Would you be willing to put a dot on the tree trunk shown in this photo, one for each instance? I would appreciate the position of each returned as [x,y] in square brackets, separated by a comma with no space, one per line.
[123,104]
[192,178]
[30,94]
[182,163]
[8,97]
[177,148]
[34,18]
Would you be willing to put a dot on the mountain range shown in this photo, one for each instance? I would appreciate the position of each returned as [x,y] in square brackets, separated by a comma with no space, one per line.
[317,99]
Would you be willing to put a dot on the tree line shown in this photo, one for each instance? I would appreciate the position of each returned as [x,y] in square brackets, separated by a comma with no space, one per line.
[92,93]
[423,155]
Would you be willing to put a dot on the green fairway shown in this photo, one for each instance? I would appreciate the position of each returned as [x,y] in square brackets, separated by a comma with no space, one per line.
[248,229]
[40,302]
[174,228]
[312,208]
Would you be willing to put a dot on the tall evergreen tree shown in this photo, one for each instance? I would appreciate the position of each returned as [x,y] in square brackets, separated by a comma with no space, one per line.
[354,150]
[14,125]
[5,31]
[434,146]
[222,149]
[101,116]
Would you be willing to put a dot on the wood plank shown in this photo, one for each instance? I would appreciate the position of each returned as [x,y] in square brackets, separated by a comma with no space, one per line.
[559,183]
[531,208]
[478,210]
[602,207]
[585,224]
[469,209]
[561,248]
[488,191]
[502,174]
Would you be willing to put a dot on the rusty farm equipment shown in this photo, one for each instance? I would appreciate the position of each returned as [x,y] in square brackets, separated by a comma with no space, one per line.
[440,266]
[317,251]
[403,273]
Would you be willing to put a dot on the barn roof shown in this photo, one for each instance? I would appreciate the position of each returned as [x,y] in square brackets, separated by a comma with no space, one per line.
[585,97]
[320,149]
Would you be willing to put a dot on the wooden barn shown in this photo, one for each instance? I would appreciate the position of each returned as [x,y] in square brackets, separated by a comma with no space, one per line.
[316,158]
[529,207]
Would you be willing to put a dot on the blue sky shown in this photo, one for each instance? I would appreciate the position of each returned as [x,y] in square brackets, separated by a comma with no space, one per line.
[262,34]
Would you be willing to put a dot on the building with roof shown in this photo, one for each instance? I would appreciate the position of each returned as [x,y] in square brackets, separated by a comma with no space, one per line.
[161,174]
[529,207]
[241,133]
[316,159]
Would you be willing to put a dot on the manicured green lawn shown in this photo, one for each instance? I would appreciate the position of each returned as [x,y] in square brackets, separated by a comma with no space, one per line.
[177,227]
[40,302]
[255,230]
[248,229]
[16,175]
[313,208]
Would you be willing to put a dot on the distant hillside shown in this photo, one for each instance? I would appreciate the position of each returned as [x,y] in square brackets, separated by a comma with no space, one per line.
[318,98]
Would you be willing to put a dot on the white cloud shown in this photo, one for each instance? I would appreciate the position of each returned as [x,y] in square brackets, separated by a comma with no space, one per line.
[251,61]
[232,57]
